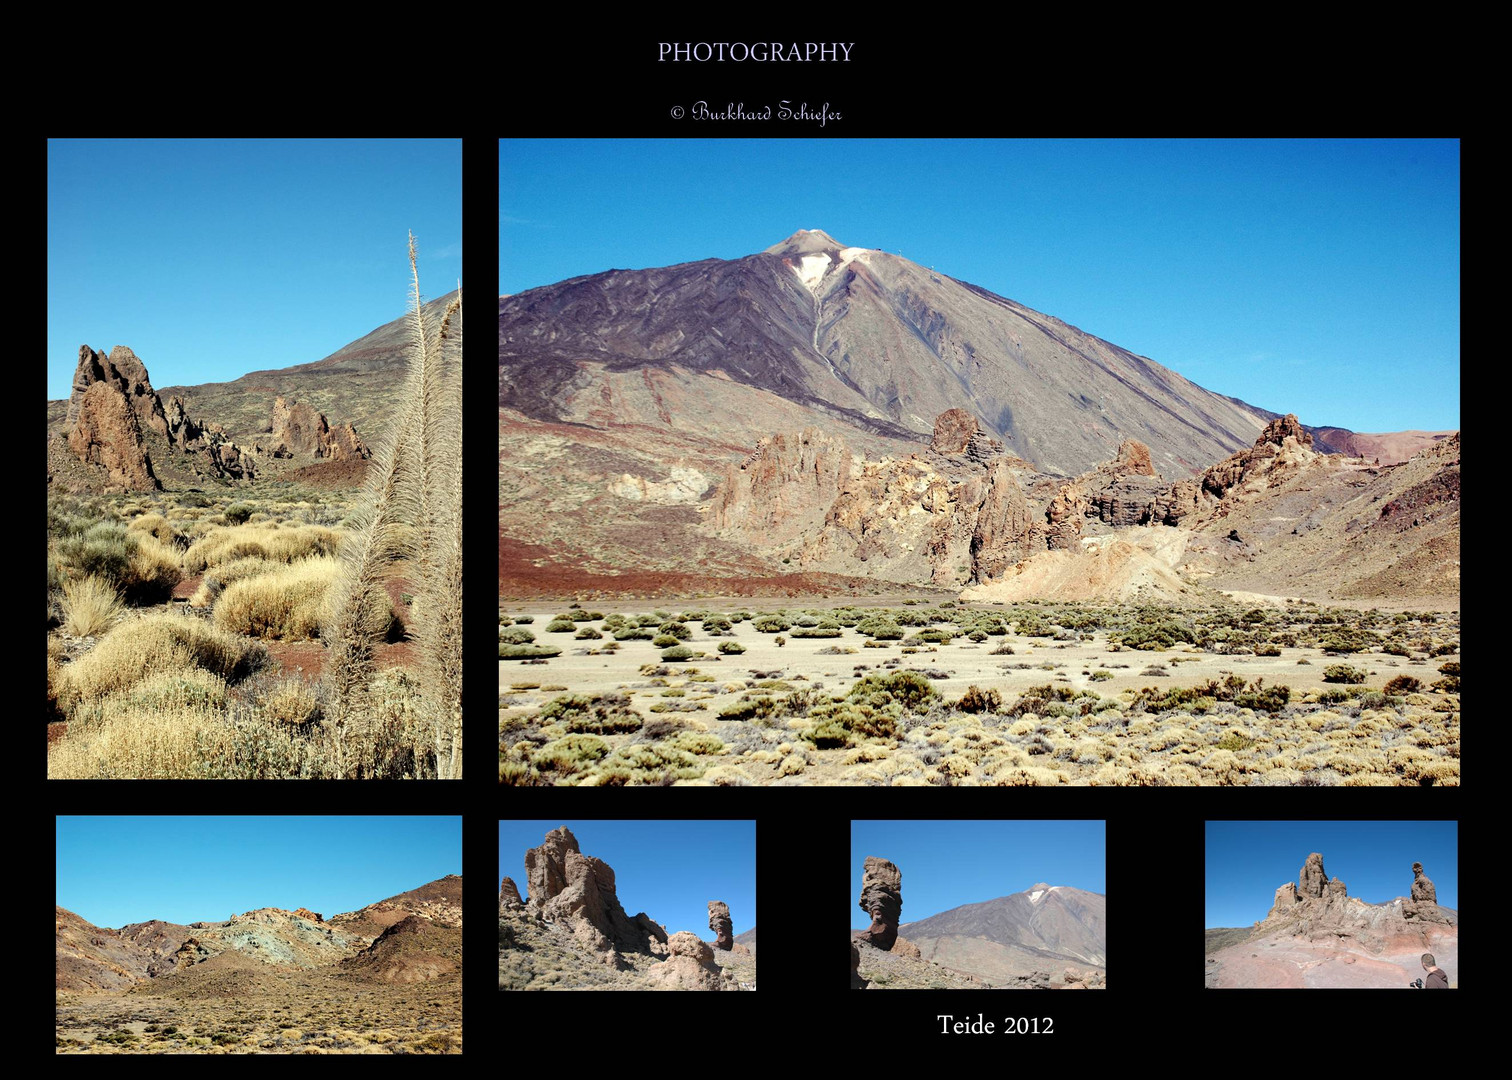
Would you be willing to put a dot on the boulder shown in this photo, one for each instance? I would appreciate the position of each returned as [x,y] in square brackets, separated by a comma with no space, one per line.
[509,896]
[856,982]
[689,965]
[953,431]
[882,899]
[719,922]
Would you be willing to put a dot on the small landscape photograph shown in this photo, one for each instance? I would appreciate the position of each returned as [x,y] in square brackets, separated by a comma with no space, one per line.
[567,890]
[254,467]
[973,920]
[259,935]
[1332,904]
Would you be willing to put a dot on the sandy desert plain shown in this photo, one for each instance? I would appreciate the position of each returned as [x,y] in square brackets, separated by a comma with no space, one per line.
[921,689]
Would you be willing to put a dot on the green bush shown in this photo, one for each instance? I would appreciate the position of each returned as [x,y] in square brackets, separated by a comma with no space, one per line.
[977,700]
[731,648]
[1403,684]
[908,689]
[561,626]
[515,635]
[679,652]
[526,652]
[1344,673]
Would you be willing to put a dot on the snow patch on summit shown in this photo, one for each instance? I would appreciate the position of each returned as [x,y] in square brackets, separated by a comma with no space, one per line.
[1035,895]
[811,268]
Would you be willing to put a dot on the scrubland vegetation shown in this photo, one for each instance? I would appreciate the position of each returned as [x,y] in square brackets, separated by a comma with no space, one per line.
[272,632]
[953,695]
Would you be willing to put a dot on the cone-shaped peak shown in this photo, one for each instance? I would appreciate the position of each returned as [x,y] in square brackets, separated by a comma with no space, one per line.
[806,242]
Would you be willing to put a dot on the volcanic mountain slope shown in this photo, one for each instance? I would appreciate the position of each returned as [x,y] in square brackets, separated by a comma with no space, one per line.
[184,436]
[357,383]
[439,902]
[869,339]
[1043,929]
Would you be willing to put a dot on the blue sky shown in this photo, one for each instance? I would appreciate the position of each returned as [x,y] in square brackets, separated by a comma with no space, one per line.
[1315,277]
[949,863]
[114,871]
[213,258]
[1245,862]
[668,869]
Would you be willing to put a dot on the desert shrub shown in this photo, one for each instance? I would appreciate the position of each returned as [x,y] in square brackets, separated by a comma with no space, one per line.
[677,652]
[977,700]
[1100,675]
[697,742]
[930,636]
[216,579]
[90,606]
[1156,635]
[876,626]
[731,648]
[645,763]
[238,513]
[817,632]
[664,641]
[132,652]
[561,626]
[1344,673]
[598,714]
[290,702]
[515,635]
[263,541]
[634,633]
[678,631]
[570,754]
[1348,640]
[908,689]
[103,549]
[527,652]
[1403,684]
[587,633]
[771,624]
[1266,648]
[1266,698]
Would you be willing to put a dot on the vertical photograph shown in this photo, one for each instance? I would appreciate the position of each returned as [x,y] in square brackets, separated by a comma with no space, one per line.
[979,463]
[567,890]
[254,468]
[1383,913]
[973,919]
[259,935]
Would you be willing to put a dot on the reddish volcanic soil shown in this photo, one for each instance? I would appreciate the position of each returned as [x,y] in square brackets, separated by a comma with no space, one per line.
[530,571]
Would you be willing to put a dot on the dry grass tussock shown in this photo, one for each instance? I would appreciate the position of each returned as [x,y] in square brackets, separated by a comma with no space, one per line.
[90,606]
[288,603]
[267,540]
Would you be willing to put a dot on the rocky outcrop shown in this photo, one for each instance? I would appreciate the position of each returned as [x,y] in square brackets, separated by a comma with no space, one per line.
[719,922]
[299,430]
[882,899]
[509,896]
[1312,880]
[125,374]
[1422,887]
[956,431]
[578,890]
[689,966]
[106,432]
[306,913]
[856,982]
[1001,537]
[787,483]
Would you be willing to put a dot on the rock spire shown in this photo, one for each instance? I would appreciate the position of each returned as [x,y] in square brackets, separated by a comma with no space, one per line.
[882,899]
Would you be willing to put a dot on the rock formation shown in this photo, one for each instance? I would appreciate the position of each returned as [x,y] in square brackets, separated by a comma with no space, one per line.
[784,486]
[1311,879]
[719,922]
[107,432]
[1422,887]
[509,896]
[306,913]
[689,966]
[882,899]
[856,982]
[125,374]
[113,405]
[298,429]
[568,886]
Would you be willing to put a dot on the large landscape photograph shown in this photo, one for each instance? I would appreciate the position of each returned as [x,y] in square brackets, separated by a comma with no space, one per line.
[979,463]
[254,538]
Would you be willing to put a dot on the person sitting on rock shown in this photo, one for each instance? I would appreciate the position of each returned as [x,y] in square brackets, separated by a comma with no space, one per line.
[1436,980]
